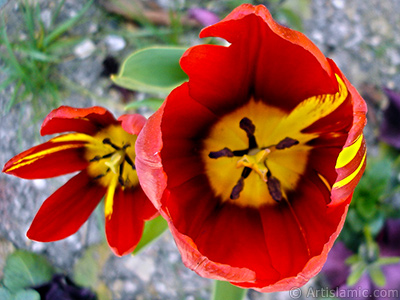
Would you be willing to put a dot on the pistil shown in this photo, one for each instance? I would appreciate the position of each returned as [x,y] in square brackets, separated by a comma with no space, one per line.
[254,158]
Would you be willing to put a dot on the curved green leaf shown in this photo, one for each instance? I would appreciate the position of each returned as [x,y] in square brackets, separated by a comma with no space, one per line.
[5,294]
[224,290]
[377,276]
[152,103]
[152,230]
[25,269]
[27,295]
[152,70]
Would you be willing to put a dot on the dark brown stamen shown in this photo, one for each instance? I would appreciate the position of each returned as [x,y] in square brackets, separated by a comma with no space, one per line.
[126,146]
[121,180]
[286,143]
[226,152]
[102,175]
[240,152]
[98,158]
[246,172]
[237,189]
[274,188]
[107,141]
[129,161]
[247,125]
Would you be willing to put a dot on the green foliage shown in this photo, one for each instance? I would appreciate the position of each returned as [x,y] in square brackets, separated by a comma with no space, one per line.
[88,270]
[25,269]
[22,271]
[368,207]
[152,103]
[27,295]
[153,229]
[152,70]
[30,63]
[225,290]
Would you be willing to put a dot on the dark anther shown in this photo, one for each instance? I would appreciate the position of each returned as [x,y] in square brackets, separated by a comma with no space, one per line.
[108,142]
[126,146]
[98,176]
[237,189]
[246,172]
[121,180]
[274,188]
[247,125]
[286,143]
[97,158]
[221,153]
[129,161]
[240,152]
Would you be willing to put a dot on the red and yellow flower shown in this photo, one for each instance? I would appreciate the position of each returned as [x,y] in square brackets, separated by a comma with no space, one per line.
[253,162]
[103,150]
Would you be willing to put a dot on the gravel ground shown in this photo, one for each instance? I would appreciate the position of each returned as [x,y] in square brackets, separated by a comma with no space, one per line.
[358,35]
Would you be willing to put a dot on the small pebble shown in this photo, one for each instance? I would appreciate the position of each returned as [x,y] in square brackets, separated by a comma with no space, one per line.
[84,49]
[114,43]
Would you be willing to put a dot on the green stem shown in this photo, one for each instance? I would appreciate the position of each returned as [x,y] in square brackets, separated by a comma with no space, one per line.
[225,291]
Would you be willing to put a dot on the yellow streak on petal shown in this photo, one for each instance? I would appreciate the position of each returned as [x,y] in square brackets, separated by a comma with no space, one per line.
[348,153]
[325,181]
[109,199]
[76,137]
[27,160]
[349,178]
[309,111]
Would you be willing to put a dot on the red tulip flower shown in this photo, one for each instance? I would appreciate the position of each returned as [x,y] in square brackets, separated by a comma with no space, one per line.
[103,150]
[254,160]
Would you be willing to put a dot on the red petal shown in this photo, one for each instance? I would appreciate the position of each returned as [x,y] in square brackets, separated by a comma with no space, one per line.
[64,212]
[47,160]
[132,123]
[257,41]
[124,228]
[149,169]
[84,120]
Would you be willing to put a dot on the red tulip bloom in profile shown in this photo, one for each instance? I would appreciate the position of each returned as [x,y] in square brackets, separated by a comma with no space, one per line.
[256,157]
[103,150]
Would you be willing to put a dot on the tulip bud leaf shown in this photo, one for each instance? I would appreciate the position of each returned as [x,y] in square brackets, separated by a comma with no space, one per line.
[152,70]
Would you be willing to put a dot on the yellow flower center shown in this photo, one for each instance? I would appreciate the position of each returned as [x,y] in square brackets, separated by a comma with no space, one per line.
[257,154]
[111,158]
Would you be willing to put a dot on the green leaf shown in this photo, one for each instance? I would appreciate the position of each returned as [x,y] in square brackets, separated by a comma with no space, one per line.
[152,230]
[25,269]
[152,70]
[353,259]
[5,294]
[152,103]
[88,268]
[27,295]
[377,276]
[355,222]
[357,271]
[225,291]
[388,260]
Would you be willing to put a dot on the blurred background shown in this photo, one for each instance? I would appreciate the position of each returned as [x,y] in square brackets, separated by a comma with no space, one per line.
[64,51]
